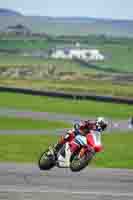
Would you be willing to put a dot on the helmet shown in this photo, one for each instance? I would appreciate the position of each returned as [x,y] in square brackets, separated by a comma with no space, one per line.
[100,120]
[101,123]
[76,126]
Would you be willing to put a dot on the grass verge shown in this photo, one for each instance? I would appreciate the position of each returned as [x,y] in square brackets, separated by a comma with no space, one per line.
[117,152]
[96,87]
[20,148]
[61,65]
[58,105]
[7,123]
[119,57]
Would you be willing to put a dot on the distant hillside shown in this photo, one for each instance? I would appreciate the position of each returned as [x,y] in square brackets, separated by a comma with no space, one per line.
[67,26]
[7,12]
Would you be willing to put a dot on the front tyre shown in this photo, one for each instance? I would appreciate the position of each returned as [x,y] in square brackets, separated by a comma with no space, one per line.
[46,161]
[77,164]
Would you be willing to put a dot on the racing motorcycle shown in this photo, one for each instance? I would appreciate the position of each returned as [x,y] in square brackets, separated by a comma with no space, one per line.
[75,154]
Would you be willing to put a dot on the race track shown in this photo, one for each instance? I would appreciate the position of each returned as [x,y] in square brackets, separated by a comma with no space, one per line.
[27,182]
[114,125]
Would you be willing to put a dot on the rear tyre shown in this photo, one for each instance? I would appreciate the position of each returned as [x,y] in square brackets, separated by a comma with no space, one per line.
[46,161]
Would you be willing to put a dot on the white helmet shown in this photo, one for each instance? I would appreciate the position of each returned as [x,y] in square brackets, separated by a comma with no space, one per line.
[100,119]
[101,122]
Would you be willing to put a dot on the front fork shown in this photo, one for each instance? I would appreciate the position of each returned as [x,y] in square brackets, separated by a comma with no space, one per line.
[82,152]
[86,149]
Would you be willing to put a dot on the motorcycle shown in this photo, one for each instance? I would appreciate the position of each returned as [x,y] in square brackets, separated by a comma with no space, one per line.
[74,154]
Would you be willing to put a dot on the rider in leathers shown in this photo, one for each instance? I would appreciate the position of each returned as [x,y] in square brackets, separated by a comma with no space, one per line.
[91,129]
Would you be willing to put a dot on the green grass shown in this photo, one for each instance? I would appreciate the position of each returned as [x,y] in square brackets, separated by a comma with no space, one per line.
[22,148]
[118,54]
[118,57]
[64,71]
[58,105]
[95,87]
[30,43]
[117,149]
[61,65]
[10,123]
[24,44]
[19,61]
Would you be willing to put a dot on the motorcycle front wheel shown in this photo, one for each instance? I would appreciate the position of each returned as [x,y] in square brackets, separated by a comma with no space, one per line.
[77,164]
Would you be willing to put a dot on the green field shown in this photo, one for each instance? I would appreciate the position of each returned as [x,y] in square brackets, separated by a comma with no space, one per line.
[118,58]
[25,44]
[23,148]
[12,123]
[61,65]
[84,79]
[19,61]
[117,149]
[58,105]
[95,87]
[73,76]
[118,52]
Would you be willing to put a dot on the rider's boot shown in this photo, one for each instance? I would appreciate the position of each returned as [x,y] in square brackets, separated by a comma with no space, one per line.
[62,141]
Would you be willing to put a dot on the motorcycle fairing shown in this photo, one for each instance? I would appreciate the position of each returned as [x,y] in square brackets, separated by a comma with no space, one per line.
[63,158]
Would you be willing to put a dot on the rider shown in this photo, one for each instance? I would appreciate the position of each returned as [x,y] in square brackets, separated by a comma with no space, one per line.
[94,136]
[91,129]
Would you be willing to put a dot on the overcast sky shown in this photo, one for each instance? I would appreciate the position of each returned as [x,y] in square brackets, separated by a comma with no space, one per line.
[116,9]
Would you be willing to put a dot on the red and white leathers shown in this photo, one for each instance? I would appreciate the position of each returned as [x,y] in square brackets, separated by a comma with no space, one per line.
[90,125]
[70,135]
[87,134]
[92,139]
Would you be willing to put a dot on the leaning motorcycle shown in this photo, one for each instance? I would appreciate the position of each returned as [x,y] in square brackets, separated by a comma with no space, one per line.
[68,156]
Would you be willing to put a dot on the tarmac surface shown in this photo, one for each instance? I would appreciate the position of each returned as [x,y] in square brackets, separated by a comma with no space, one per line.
[25,181]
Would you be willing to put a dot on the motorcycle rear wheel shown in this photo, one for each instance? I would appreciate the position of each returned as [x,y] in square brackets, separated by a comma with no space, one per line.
[46,161]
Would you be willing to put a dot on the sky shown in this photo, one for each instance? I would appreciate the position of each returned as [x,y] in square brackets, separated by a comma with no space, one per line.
[115,9]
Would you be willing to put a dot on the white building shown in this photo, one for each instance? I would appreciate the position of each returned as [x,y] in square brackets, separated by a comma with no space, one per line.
[85,54]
